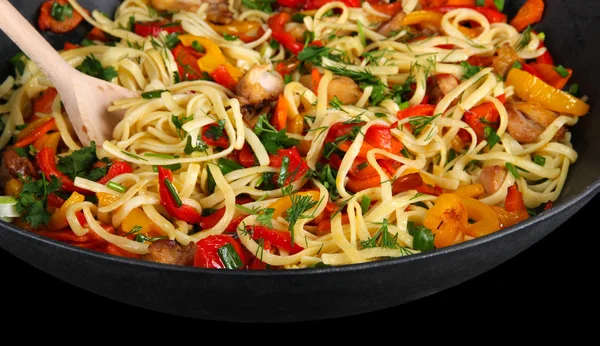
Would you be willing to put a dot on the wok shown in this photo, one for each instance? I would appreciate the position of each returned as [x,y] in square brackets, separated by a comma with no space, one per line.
[310,294]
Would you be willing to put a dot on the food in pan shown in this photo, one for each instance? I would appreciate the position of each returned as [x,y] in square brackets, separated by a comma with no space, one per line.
[293,133]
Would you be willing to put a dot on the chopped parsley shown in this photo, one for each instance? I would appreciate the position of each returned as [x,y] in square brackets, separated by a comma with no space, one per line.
[32,202]
[272,139]
[469,70]
[61,12]
[80,163]
[261,5]
[92,67]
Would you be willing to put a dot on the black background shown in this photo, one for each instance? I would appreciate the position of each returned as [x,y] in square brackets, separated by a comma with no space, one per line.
[553,282]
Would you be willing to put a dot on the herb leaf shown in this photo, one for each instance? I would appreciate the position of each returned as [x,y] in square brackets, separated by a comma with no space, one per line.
[92,67]
[272,139]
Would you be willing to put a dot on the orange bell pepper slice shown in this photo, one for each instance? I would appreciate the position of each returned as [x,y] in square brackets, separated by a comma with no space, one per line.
[279,118]
[35,131]
[530,13]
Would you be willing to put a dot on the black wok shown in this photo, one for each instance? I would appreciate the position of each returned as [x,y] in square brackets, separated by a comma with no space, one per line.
[333,292]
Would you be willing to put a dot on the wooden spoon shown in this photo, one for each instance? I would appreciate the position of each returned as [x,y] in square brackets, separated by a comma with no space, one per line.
[85,98]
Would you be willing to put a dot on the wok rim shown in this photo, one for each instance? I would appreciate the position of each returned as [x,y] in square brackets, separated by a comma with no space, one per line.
[589,192]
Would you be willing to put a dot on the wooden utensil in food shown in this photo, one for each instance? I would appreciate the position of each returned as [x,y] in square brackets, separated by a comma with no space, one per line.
[85,98]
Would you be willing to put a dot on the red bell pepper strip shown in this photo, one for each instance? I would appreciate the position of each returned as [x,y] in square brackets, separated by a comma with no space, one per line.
[389,9]
[187,62]
[548,74]
[545,58]
[528,68]
[492,15]
[417,110]
[292,3]
[37,133]
[116,169]
[45,159]
[281,240]
[514,200]
[55,201]
[379,136]
[246,157]
[155,28]
[482,116]
[297,167]
[183,212]
[43,103]
[207,253]
[276,23]
[216,137]
[316,4]
[222,77]
[96,34]
[69,46]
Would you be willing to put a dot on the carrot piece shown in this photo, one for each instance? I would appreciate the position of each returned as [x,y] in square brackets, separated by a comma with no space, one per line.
[36,133]
[47,22]
[279,118]
[316,79]
[530,13]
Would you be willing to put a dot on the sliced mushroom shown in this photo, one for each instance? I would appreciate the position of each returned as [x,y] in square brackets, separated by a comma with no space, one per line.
[505,58]
[170,252]
[259,85]
[492,177]
[392,25]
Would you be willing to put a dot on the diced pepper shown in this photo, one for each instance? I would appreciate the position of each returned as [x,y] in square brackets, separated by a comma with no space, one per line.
[45,159]
[297,167]
[155,28]
[117,168]
[514,200]
[213,56]
[207,253]
[279,239]
[482,116]
[222,77]
[183,212]
[187,62]
[276,23]
[246,157]
[279,118]
[58,219]
[549,75]
[213,135]
[530,13]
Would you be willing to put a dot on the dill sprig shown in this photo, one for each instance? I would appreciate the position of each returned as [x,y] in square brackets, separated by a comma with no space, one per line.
[300,204]
[383,238]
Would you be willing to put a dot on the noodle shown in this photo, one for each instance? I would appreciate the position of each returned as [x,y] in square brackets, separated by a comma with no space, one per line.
[346,182]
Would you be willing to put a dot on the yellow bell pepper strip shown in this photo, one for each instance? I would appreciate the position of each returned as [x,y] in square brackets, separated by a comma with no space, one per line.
[448,220]
[105,199]
[509,218]
[285,203]
[531,88]
[49,140]
[236,28]
[58,220]
[136,217]
[473,191]
[419,17]
[213,57]
[486,220]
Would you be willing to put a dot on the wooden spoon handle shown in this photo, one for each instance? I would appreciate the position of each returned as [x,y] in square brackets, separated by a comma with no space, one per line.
[32,43]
